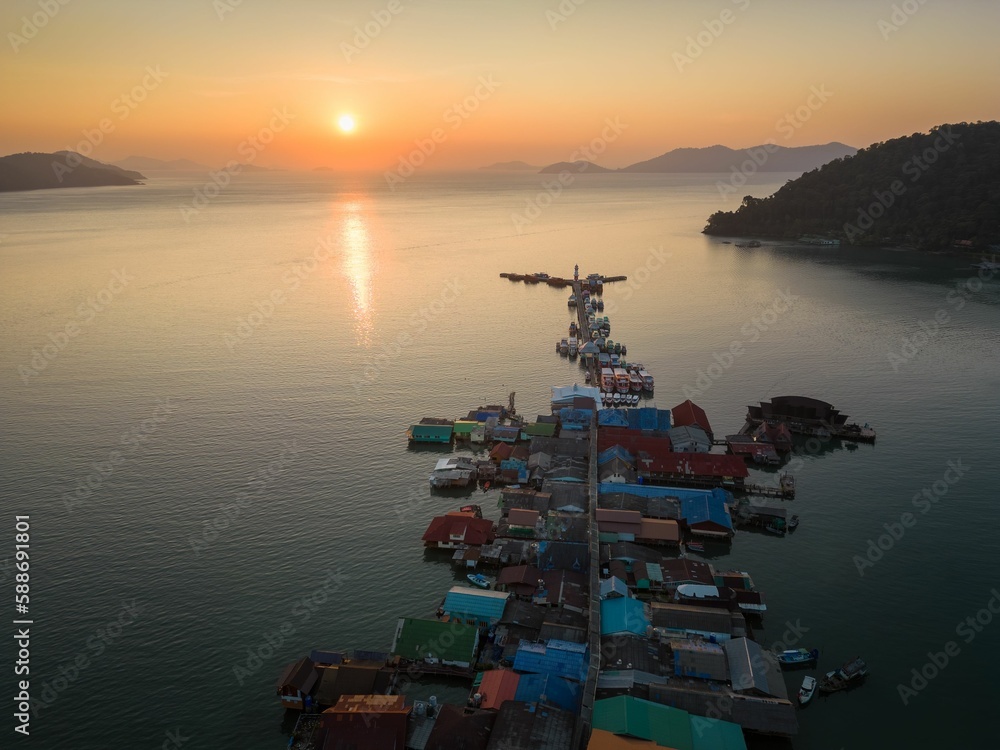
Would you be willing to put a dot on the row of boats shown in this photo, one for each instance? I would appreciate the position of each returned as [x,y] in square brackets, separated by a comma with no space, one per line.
[849,675]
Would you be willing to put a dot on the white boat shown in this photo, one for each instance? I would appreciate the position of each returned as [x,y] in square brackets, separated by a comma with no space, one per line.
[635,382]
[453,472]
[647,380]
[564,347]
[573,348]
[622,384]
[808,690]
[616,397]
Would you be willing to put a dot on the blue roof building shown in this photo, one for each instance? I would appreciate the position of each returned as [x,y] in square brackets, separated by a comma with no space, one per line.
[575,419]
[623,616]
[707,514]
[473,606]
[648,419]
[649,490]
[611,418]
[615,451]
[559,658]
[549,690]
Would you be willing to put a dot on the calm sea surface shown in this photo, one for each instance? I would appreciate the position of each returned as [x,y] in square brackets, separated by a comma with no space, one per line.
[205,420]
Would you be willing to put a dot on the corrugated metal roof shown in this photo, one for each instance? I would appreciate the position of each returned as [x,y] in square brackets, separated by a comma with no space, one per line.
[714,734]
[522,517]
[695,510]
[498,686]
[560,658]
[751,669]
[550,690]
[612,418]
[448,641]
[462,601]
[623,615]
[664,725]
[663,530]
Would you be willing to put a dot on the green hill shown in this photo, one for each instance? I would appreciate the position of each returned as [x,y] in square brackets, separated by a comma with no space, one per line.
[926,190]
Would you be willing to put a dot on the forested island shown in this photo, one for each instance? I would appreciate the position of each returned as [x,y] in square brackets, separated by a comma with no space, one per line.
[63,169]
[926,190]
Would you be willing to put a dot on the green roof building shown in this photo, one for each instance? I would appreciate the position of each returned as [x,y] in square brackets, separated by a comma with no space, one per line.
[436,642]
[665,725]
[430,433]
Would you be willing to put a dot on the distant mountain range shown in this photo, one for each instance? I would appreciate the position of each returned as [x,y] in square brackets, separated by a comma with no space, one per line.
[149,164]
[39,171]
[766,158]
[511,166]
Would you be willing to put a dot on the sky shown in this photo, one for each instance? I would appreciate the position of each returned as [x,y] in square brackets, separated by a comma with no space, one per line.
[472,82]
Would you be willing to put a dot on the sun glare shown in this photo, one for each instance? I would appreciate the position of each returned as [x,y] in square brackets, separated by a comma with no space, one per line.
[346,123]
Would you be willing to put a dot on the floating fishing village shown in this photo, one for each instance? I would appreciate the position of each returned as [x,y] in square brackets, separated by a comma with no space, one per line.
[588,615]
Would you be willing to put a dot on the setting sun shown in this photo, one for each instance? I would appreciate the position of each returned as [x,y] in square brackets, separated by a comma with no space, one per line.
[346,123]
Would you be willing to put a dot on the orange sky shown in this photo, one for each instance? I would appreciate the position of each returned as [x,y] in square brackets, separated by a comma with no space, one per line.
[483,81]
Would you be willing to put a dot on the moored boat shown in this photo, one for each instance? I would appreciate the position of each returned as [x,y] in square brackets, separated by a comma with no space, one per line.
[635,382]
[564,347]
[647,380]
[695,546]
[793,523]
[572,300]
[478,579]
[797,657]
[852,673]
[808,689]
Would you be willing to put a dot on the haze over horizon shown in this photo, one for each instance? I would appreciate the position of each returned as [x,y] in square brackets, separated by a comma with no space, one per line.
[199,80]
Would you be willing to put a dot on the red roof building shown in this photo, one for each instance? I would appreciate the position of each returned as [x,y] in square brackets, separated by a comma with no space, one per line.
[631,440]
[692,466]
[689,413]
[520,580]
[454,529]
[379,720]
[497,686]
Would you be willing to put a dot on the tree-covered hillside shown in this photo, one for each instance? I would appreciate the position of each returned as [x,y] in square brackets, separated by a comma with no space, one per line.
[926,190]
